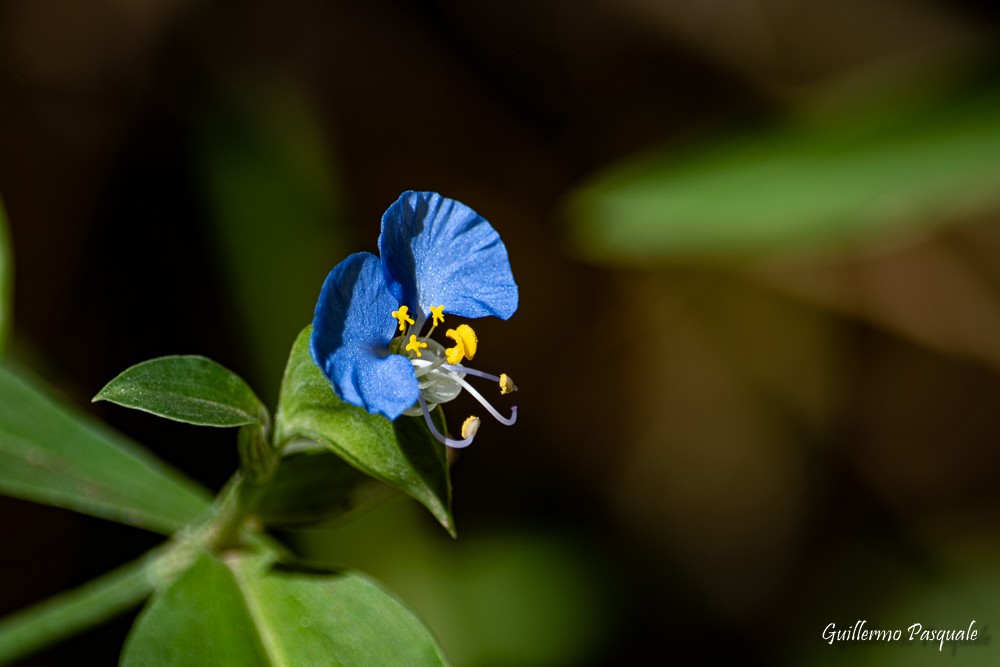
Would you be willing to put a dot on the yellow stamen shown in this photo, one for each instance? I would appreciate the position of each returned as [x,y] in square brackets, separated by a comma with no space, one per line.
[470,426]
[465,343]
[415,345]
[402,316]
[506,384]
[437,315]
[455,354]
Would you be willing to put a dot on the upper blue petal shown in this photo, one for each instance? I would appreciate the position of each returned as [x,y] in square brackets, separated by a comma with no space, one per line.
[437,251]
[352,328]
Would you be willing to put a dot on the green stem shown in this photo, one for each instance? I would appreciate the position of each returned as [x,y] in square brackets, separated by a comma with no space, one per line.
[79,609]
[243,493]
[240,500]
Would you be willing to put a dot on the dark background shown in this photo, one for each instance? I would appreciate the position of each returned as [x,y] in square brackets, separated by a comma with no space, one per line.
[706,464]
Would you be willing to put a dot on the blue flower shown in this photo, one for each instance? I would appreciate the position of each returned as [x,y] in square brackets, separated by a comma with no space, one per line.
[437,256]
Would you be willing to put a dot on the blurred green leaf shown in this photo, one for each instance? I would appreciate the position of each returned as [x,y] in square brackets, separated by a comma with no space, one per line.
[189,389]
[274,191]
[402,453]
[6,279]
[244,612]
[51,454]
[518,596]
[316,486]
[798,185]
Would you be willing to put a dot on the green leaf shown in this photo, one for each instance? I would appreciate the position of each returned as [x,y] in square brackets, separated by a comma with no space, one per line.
[797,186]
[316,486]
[246,613]
[200,619]
[6,279]
[402,454]
[189,389]
[51,454]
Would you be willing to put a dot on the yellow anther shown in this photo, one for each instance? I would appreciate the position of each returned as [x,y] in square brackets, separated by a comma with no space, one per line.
[437,315]
[465,343]
[506,384]
[455,354]
[470,426]
[415,345]
[403,317]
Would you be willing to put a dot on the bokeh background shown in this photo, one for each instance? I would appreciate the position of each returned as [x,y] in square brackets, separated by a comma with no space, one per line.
[757,242]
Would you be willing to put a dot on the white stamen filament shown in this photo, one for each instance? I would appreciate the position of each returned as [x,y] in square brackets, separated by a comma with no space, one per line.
[473,371]
[450,442]
[479,397]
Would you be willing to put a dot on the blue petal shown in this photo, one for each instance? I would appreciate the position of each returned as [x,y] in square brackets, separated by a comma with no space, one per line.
[351,332]
[437,251]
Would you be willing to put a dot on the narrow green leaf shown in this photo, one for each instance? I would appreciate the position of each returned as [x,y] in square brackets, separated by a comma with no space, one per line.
[51,454]
[76,610]
[246,613]
[402,453]
[797,185]
[6,279]
[189,389]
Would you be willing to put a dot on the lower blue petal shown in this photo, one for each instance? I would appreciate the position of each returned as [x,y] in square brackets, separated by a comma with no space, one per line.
[352,328]
[438,251]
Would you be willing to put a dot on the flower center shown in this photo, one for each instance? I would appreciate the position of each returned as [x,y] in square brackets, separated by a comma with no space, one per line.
[440,373]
